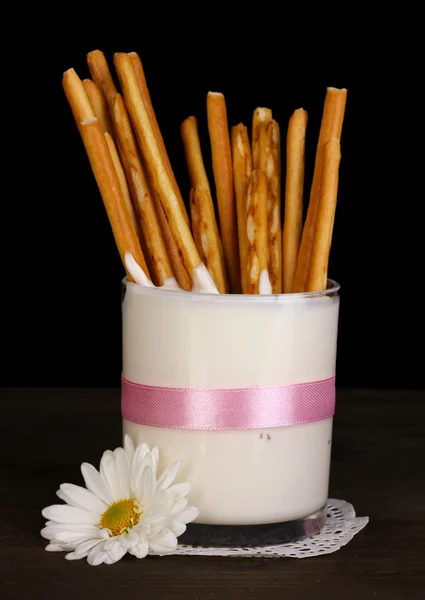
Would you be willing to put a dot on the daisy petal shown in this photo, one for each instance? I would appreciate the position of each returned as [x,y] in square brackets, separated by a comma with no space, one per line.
[188,515]
[165,542]
[128,446]
[80,497]
[50,531]
[84,548]
[140,551]
[177,527]
[54,548]
[168,476]
[62,513]
[110,475]
[138,464]
[123,468]
[178,507]
[97,555]
[146,486]
[155,459]
[95,483]
[73,556]
[75,537]
[116,554]
[180,489]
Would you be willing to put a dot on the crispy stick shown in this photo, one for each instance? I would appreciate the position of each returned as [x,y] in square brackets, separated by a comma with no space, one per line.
[242,169]
[206,237]
[195,222]
[103,169]
[144,91]
[160,265]
[208,241]
[294,190]
[331,127]
[182,275]
[256,203]
[101,74]
[158,175]
[269,163]
[261,115]
[123,182]
[99,105]
[322,238]
[193,153]
[223,177]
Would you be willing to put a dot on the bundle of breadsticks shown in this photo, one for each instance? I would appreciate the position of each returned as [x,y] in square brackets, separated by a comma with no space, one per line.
[259,243]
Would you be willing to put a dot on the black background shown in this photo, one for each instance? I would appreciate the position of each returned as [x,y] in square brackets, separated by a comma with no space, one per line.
[62,272]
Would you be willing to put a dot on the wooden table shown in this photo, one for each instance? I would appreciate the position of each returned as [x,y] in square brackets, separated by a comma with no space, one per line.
[378,458]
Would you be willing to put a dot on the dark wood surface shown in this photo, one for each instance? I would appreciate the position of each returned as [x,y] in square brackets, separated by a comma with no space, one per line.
[377,464]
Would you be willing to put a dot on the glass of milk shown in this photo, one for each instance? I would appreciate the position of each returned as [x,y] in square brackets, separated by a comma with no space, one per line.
[251,486]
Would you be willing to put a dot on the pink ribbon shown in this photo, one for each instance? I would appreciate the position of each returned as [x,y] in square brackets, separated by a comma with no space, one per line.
[243,408]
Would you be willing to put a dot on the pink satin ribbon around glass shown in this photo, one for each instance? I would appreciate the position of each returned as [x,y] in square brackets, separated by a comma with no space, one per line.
[243,408]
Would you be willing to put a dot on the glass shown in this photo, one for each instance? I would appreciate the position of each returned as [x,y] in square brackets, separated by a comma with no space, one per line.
[251,486]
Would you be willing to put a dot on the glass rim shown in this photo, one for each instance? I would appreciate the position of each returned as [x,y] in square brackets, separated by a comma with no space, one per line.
[331,290]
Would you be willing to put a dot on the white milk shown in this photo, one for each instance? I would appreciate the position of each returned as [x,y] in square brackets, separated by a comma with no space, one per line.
[182,339]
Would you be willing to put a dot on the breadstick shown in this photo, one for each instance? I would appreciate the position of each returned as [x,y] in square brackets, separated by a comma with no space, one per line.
[193,153]
[182,275]
[242,169]
[261,115]
[223,177]
[331,127]
[256,202]
[103,169]
[159,263]
[269,163]
[322,238]
[206,237]
[195,222]
[99,105]
[208,242]
[294,191]
[158,175]
[144,91]
[123,182]
[101,74]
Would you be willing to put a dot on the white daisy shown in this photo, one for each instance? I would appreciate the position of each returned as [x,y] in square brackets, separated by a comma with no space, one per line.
[124,508]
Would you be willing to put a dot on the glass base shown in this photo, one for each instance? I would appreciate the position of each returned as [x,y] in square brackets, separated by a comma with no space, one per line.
[240,536]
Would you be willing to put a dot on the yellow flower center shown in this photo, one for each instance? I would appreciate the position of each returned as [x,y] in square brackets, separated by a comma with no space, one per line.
[120,516]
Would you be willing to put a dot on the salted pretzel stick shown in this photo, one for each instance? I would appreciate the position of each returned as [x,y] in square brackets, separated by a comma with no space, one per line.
[261,115]
[294,190]
[331,127]
[103,169]
[256,225]
[159,262]
[223,176]
[123,182]
[208,242]
[242,169]
[269,163]
[101,74]
[322,238]
[158,175]
[99,105]
[144,91]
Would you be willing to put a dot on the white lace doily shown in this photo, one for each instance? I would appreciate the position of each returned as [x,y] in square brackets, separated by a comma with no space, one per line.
[341,526]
